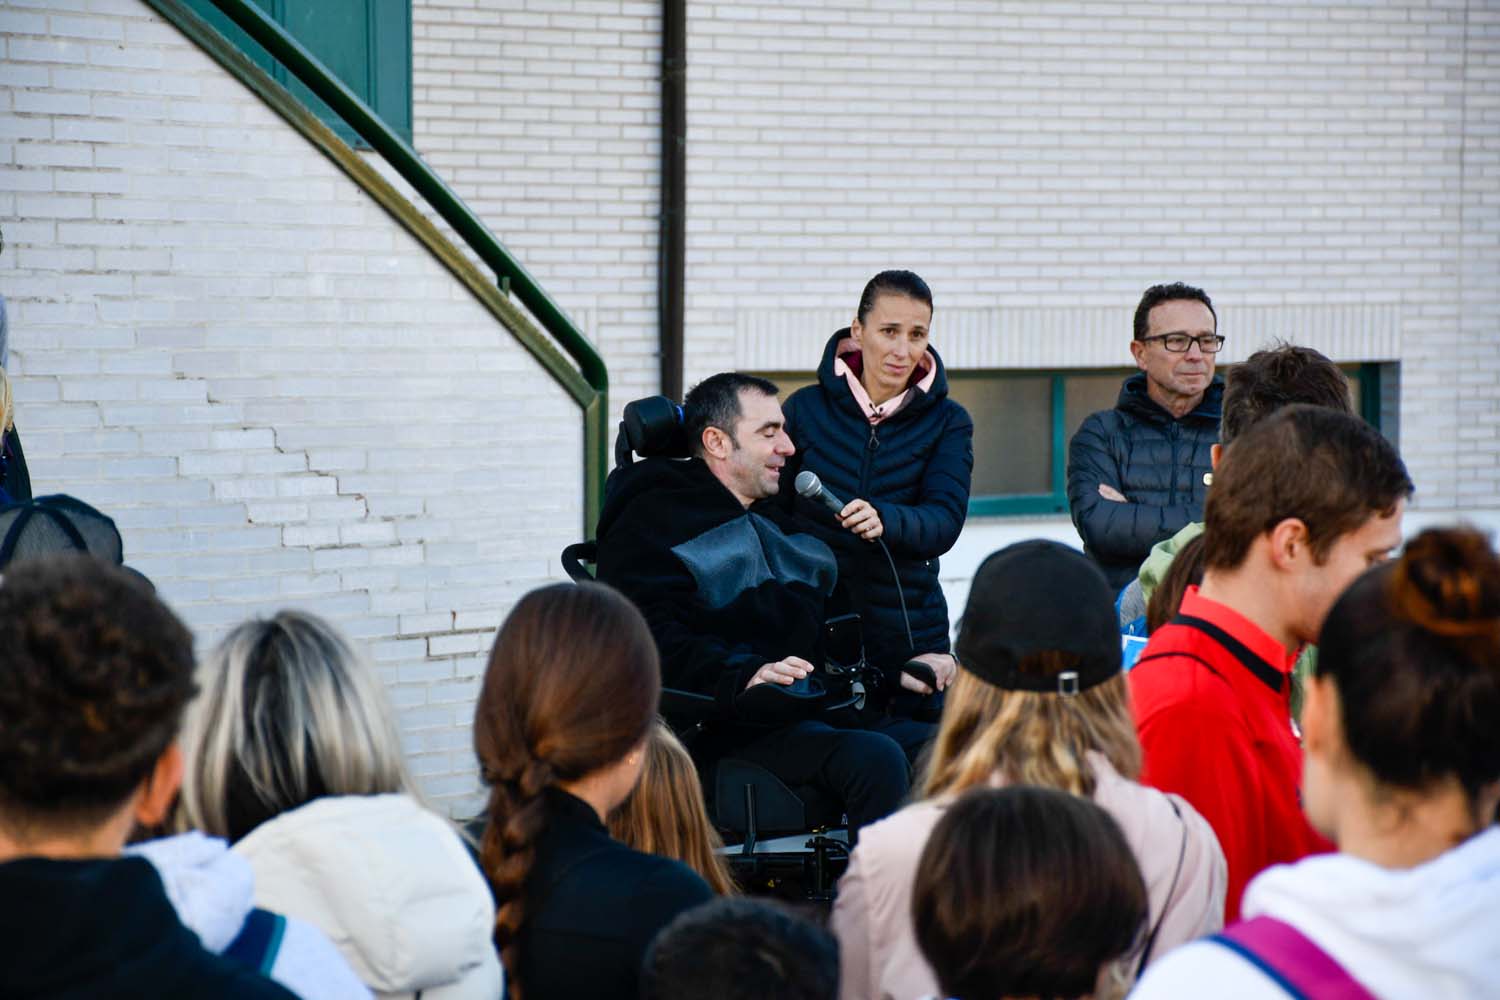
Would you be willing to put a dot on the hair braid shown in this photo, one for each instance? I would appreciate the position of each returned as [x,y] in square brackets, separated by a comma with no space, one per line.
[571,687]
[507,852]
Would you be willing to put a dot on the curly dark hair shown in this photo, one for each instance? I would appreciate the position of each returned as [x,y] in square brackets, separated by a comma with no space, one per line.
[97,674]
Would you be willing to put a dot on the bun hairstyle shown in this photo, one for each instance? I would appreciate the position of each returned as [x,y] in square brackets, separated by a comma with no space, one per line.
[571,686]
[1414,649]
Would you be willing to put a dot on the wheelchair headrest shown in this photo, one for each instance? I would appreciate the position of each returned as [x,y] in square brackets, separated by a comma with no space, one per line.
[652,428]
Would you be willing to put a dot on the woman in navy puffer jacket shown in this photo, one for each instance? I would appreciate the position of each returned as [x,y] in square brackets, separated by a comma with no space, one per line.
[881,433]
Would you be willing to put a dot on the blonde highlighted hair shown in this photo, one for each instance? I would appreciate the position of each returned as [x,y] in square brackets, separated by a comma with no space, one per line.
[1029,737]
[666,814]
[289,713]
[7,404]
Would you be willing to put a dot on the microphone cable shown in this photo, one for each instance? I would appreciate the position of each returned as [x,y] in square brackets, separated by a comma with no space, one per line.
[900,594]
[810,487]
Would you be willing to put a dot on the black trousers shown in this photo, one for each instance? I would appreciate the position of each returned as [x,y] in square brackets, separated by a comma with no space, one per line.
[868,770]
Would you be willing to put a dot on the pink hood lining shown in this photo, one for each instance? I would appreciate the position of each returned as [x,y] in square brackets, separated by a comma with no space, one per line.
[849,362]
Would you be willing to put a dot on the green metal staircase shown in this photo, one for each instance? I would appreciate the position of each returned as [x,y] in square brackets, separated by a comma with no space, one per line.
[542,327]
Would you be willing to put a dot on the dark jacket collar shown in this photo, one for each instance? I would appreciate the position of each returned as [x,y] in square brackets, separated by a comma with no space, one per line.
[1135,400]
[697,488]
[834,385]
[74,926]
[568,808]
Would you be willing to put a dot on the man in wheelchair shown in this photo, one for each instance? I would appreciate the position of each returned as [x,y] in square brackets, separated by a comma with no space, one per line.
[737,602]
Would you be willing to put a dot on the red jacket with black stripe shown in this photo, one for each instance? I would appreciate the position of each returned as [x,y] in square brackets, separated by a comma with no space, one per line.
[1211,695]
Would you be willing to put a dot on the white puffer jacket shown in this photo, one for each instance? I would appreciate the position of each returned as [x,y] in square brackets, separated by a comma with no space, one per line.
[212,890]
[391,884]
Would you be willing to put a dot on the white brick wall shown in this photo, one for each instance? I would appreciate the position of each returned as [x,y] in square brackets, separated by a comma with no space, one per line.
[1305,160]
[544,117]
[1479,417]
[1326,170]
[278,394]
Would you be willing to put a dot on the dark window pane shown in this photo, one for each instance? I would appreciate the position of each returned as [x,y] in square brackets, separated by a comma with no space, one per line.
[1090,394]
[1355,385]
[1012,431]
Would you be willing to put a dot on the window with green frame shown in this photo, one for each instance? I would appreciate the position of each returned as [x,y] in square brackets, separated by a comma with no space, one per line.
[1023,421]
[366,43]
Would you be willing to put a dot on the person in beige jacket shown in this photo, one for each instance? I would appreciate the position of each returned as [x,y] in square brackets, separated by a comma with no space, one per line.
[1039,699]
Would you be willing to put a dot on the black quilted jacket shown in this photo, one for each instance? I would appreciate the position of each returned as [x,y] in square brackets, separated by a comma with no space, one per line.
[915,468]
[1155,461]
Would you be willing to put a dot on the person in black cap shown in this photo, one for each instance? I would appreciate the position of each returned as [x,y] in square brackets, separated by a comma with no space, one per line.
[1039,699]
[56,524]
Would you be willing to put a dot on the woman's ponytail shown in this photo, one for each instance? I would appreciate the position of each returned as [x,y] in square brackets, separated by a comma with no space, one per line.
[571,687]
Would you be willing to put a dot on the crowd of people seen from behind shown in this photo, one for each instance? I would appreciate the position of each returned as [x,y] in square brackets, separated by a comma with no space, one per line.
[1292,791]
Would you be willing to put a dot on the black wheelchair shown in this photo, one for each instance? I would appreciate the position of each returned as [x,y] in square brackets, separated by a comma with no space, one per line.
[790,842]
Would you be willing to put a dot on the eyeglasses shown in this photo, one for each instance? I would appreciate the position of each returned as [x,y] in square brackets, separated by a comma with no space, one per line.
[1178,343]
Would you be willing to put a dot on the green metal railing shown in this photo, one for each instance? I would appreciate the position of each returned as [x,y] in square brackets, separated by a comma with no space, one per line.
[588,383]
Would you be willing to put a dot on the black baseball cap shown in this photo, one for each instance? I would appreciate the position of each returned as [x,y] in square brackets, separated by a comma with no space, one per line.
[57,523]
[1034,597]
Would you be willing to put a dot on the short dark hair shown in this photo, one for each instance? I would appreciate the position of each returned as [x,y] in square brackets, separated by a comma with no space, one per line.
[97,674]
[1025,891]
[715,402]
[1330,470]
[740,949]
[1275,377]
[1413,647]
[905,283]
[1157,294]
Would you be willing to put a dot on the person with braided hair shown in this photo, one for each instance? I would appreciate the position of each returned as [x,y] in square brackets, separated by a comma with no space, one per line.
[564,715]
[1401,748]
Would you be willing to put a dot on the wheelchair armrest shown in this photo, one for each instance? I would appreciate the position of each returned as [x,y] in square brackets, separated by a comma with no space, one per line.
[687,706]
[577,558]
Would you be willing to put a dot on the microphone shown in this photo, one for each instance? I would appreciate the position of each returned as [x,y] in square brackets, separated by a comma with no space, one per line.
[810,487]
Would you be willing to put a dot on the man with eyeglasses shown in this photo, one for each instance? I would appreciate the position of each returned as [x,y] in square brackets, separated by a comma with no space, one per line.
[1136,472]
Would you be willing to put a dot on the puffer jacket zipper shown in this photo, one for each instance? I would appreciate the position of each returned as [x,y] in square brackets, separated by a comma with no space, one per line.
[871,446]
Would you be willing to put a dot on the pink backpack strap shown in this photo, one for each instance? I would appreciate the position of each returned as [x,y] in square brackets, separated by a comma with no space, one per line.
[1288,956]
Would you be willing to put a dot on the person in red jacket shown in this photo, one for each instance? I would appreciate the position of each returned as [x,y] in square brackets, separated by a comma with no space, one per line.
[1301,504]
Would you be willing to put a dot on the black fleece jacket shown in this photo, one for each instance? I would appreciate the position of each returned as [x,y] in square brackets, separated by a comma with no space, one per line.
[725,590]
[593,907]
